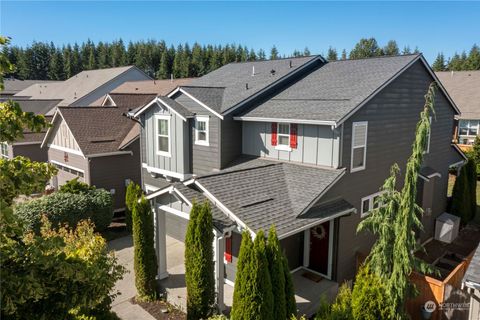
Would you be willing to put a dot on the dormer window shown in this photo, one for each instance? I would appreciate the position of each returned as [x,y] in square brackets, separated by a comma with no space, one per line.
[163,135]
[201,131]
[284,134]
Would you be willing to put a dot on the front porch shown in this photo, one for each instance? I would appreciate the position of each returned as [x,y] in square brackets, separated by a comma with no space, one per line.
[309,287]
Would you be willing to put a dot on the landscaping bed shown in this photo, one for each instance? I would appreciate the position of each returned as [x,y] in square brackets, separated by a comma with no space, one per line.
[161,310]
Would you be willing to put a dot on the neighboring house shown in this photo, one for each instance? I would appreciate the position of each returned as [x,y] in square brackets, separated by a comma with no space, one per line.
[12,86]
[302,144]
[471,282]
[464,88]
[84,88]
[99,145]
[29,145]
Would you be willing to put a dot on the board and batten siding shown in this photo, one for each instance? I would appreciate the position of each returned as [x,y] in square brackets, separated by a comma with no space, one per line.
[204,159]
[72,160]
[178,161]
[63,137]
[318,145]
[392,116]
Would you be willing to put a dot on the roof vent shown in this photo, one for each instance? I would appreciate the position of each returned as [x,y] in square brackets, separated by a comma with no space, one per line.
[272,72]
[246,86]
[290,64]
[253,71]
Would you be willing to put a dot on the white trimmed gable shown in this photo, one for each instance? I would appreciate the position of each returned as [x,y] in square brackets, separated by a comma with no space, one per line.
[62,138]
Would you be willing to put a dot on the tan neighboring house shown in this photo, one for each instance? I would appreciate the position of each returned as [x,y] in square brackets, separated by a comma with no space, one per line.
[99,145]
[464,88]
[12,86]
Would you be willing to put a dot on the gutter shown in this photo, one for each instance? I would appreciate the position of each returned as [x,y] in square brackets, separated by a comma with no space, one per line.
[115,153]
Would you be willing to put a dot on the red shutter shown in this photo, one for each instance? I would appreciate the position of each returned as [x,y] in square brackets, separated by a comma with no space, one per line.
[274,133]
[293,135]
[228,249]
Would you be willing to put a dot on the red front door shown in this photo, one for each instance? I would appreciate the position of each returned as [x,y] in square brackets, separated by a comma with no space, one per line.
[319,247]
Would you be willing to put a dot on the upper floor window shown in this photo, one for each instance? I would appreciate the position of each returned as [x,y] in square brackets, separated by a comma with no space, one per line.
[359,146]
[468,127]
[284,136]
[163,135]
[4,149]
[201,131]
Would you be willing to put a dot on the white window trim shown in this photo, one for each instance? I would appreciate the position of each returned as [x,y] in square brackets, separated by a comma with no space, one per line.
[370,205]
[352,169]
[467,122]
[158,152]
[4,144]
[279,146]
[205,119]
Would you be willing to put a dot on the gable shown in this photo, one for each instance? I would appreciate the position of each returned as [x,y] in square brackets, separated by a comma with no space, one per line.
[62,138]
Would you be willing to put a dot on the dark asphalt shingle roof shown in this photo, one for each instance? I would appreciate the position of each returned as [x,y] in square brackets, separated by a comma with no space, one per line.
[333,90]
[13,86]
[97,129]
[472,276]
[37,106]
[176,106]
[463,87]
[132,100]
[225,87]
[220,219]
[30,136]
[262,192]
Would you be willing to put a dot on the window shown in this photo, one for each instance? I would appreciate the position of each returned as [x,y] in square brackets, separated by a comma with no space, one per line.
[468,128]
[4,149]
[359,146]
[369,203]
[163,136]
[68,169]
[283,134]
[201,131]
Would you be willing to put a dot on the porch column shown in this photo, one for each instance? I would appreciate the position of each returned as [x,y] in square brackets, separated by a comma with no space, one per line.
[306,248]
[219,245]
[160,243]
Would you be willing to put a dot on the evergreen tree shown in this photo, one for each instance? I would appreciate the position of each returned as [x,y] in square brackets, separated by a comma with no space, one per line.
[133,194]
[67,59]
[261,55]
[252,56]
[464,193]
[118,54]
[291,305]
[163,71]
[102,55]
[76,62]
[332,54]
[473,60]
[22,70]
[245,305]
[456,63]
[198,63]
[56,68]
[273,53]
[406,50]
[275,266]
[472,186]
[263,282]
[365,48]
[391,49]
[344,54]
[394,221]
[439,63]
[199,265]
[306,52]
[145,261]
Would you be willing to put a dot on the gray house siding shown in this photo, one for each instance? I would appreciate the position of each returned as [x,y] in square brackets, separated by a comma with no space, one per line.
[175,226]
[111,172]
[204,159]
[231,140]
[293,247]
[179,144]
[75,161]
[317,145]
[92,98]
[31,151]
[231,267]
[392,116]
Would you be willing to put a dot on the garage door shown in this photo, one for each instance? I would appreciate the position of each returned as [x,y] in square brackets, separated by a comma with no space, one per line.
[176,226]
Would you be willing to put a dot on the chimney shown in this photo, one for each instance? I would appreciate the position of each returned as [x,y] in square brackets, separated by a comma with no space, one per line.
[253,71]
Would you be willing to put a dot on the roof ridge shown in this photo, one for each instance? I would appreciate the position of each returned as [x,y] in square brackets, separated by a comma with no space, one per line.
[228,171]
[378,57]
[278,59]
[210,87]
[134,93]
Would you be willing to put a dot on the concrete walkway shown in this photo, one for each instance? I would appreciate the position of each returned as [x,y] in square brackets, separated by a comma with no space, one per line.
[122,306]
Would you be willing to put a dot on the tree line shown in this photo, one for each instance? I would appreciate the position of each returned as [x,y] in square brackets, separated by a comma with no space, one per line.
[46,61]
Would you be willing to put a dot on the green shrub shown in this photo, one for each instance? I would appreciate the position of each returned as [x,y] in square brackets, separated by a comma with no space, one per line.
[145,260]
[341,309]
[199,266]
[132,195]
[291,304]
[275,266]
[464,193]
[263,280]
[75,186]
[69,208]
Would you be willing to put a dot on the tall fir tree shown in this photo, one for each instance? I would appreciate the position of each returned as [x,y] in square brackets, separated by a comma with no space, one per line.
[274,53]
[263,280]
[439,63]
[163,70]
[332,54]
[394,221]
[67,60]
[391,49]
[261,55]
[344,54]
[145,260]
[473,60]
[365,48]
[275,266]
[199,265]
[56,70]
[306,52]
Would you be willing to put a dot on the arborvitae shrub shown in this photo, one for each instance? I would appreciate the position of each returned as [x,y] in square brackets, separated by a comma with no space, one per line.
[277,276]
[134,191]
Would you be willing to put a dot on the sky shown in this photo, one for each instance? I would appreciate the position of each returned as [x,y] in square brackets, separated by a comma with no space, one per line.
[432,26]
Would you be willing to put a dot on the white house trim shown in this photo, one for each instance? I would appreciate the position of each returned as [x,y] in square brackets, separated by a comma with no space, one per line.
[60,148]
[205,119]
[179,89]
[168,153]
[175,212]
[177,175]
[364,166]
[299,121]
[67,166]
[171,109]
[158,193]
[106,154]
[107,97]
[149,188]
[26,143]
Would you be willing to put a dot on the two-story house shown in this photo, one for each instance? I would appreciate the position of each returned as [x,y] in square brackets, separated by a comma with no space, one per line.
[300,143]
